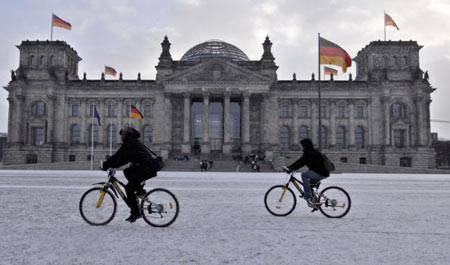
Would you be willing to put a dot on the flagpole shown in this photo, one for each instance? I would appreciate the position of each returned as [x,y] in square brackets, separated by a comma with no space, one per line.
[92,140]
[51,28]
[384,18]
[320,106]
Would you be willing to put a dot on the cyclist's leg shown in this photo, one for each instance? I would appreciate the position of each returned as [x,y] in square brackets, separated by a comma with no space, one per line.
[307,176]
[134,183]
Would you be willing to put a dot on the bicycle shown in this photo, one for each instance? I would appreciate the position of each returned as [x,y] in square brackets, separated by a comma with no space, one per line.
[159,207]
[333,201]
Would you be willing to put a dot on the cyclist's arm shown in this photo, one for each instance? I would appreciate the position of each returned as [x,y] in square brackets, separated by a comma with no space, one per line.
[298,164]
[120,158]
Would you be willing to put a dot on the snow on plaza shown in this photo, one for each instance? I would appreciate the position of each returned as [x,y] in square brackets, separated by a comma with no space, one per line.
[394,219]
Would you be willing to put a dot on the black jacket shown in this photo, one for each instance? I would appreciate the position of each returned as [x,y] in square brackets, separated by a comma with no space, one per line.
[132,150]
[312,158]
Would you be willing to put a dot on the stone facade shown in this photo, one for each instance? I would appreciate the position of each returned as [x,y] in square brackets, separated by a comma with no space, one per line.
[222,103]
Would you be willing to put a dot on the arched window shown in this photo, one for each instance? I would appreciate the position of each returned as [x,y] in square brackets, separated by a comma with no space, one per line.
[324,137]
[340,137]
[398,110]
[359,137]
[284,137]
[147,134]
[303,133]
[39,108]
[95,131]
[51,60]
[359,111]
[41,60]
[285,110]
[147,110]
[31,60]
[75,134]
[111,134]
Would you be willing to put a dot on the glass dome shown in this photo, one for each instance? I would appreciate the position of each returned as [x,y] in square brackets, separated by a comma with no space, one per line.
[214,48]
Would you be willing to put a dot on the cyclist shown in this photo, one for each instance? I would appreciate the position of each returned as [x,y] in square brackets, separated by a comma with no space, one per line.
[316,170]
[132,150]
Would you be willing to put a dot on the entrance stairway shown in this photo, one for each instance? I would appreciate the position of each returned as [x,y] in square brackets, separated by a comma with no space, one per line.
[221,163]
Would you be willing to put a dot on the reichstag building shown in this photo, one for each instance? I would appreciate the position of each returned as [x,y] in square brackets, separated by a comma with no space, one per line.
[216,100]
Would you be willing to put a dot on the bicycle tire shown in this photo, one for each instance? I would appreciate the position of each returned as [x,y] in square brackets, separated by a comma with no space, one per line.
[151,208]
[88,204]
[272,192]
[329,201]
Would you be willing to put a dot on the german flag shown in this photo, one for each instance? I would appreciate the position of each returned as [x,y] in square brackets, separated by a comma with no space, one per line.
[135,113]
[329,71]
[331,53]
[57,22]
[110,71]
[388,21]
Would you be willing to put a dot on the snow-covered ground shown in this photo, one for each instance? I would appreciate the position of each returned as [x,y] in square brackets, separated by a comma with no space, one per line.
[395,219]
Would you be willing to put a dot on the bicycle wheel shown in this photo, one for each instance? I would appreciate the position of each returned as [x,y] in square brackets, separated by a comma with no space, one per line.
[159,207]
[334,202]
[280,200]
[97,207]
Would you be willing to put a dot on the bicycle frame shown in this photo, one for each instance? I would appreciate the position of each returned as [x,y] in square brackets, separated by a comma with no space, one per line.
[296,183]
[112,183]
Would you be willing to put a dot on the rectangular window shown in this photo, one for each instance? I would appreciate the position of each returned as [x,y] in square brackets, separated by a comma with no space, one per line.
[38,135]
[284,111]
[363,160]
[127,110]
[111,110]
[303,111]
[72,158]
[359,112]
[75,110]
[341,111]
[91,110]
[399,138]
[323,111]
[147,110]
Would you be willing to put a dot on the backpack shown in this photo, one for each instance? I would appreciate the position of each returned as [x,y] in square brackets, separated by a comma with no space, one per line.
[327,164]
[156,163]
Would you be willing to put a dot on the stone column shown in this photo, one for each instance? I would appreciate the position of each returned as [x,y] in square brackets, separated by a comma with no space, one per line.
[119,115]
[386,121]
[10,120]
[20,130]
[205,146]
[168,123]
[421,123]
[333,125]
[50,119]
[226,124]
[294,125]
[186,146]
[246,148]
[314,123]
[351,126]
[101,129]
[83,129]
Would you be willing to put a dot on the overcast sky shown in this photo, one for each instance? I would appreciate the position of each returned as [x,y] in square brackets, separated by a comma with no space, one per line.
[127,34]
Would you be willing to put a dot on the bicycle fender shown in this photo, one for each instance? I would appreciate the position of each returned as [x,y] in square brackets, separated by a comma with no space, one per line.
[99,183]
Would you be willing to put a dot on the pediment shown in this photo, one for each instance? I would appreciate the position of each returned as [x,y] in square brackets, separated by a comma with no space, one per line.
[217,70]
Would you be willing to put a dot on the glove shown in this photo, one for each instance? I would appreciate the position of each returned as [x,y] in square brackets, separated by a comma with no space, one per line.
[104,166]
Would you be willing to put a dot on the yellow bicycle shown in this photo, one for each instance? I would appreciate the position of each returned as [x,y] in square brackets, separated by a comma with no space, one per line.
[333,201]
[159,207]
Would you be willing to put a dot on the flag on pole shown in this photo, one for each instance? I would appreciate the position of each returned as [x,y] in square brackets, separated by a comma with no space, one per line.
[110,71]
[57,22]
[388,21]
[134,112]
[331,53]
[96,115]
[329,71]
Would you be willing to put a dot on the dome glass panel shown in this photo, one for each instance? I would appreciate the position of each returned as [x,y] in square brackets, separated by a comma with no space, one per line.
[214,48]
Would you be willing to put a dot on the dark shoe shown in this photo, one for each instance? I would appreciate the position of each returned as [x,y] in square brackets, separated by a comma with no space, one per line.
[133,218]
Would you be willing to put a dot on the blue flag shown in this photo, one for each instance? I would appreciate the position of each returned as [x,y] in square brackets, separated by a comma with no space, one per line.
[97,116]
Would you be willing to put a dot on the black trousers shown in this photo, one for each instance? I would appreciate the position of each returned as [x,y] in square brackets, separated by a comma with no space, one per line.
[135,176]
